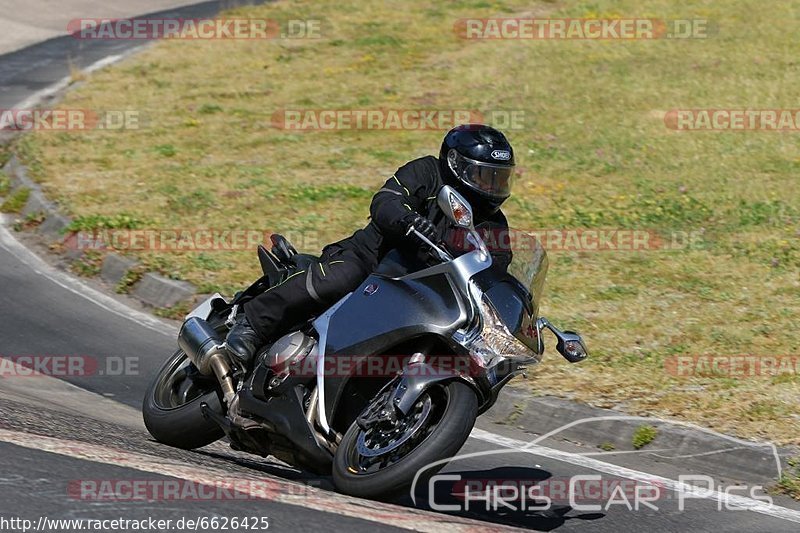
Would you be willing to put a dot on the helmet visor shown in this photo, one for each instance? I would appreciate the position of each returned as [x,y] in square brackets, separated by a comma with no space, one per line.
[493,180]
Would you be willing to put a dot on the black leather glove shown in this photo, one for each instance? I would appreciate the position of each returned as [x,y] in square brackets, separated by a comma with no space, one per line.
[421,224]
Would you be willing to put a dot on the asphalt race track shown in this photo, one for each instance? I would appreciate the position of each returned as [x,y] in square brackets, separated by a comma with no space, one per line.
[61,438]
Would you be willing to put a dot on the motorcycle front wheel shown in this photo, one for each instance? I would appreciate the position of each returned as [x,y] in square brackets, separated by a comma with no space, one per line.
[382,461]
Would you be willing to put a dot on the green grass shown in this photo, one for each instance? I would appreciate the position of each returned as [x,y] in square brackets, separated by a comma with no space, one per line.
[131,278]
[89,264]
[30,221]
[5,153]
[643,436]
[16,201]
[166,150]
[789,482]
[99,222]
[593,152]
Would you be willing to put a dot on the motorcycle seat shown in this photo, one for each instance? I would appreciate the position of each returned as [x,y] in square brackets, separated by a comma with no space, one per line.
[303,261]
[286,253]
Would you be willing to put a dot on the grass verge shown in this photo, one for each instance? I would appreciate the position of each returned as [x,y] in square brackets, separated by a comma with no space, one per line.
[594,152]
[16,201]
[789,483]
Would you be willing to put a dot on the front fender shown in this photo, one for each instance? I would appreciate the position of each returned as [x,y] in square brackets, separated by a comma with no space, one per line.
[418,377]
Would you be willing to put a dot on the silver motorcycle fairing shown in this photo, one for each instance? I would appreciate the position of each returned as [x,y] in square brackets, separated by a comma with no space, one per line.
[206,307]
[457,273]
[321,326]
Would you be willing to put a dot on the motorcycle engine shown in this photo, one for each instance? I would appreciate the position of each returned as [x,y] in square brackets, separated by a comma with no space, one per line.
[287,352]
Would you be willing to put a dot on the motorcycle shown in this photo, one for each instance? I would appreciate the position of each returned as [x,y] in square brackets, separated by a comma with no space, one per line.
[462,330]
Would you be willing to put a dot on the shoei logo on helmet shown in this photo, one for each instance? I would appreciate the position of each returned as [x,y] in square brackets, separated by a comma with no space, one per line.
[501,155]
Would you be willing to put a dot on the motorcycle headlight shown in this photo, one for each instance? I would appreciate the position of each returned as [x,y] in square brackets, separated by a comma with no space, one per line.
[494,343]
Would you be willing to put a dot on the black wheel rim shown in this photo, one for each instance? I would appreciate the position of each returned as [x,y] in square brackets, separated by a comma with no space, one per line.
[381,446]
[179,384]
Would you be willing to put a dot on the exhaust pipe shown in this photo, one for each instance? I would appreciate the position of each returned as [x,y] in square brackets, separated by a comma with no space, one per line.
[207,351]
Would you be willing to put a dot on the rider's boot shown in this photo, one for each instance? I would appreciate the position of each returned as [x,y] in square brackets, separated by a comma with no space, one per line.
[243,341]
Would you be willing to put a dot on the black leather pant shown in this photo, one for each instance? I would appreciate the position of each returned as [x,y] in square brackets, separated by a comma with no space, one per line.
[307,292]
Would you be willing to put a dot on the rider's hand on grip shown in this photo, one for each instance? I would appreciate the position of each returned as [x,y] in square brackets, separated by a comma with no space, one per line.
[422,225]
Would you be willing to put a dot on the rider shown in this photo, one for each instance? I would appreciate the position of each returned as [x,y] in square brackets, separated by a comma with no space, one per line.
[475,159]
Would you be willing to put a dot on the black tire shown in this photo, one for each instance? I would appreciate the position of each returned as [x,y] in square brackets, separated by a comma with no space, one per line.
[175,422]
[445,440]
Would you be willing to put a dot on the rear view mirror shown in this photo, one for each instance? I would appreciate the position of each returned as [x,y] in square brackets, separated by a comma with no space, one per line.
[455,207]
[570,344]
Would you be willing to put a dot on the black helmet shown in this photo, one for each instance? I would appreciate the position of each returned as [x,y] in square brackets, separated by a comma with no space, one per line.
[479,162]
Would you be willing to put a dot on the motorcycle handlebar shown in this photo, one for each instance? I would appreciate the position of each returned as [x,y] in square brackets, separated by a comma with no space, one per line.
[443,254]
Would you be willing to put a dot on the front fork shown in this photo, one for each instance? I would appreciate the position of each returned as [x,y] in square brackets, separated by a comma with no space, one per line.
[417,377]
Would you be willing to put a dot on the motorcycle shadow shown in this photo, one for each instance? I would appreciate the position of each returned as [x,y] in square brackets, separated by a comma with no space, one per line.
[273,467]
[461,493]
[503,495]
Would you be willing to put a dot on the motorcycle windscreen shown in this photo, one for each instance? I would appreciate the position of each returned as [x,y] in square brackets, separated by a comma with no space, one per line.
[515,308]
[529,264]
[517,300]
[526,257]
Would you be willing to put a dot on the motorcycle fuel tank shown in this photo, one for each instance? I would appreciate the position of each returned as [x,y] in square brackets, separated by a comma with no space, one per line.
[384,311]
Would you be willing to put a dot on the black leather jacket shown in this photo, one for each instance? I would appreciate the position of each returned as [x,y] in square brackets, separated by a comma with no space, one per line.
[412,188]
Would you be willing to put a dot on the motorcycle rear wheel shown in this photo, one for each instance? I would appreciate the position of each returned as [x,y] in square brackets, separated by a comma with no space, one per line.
[171,407]
[449,411]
